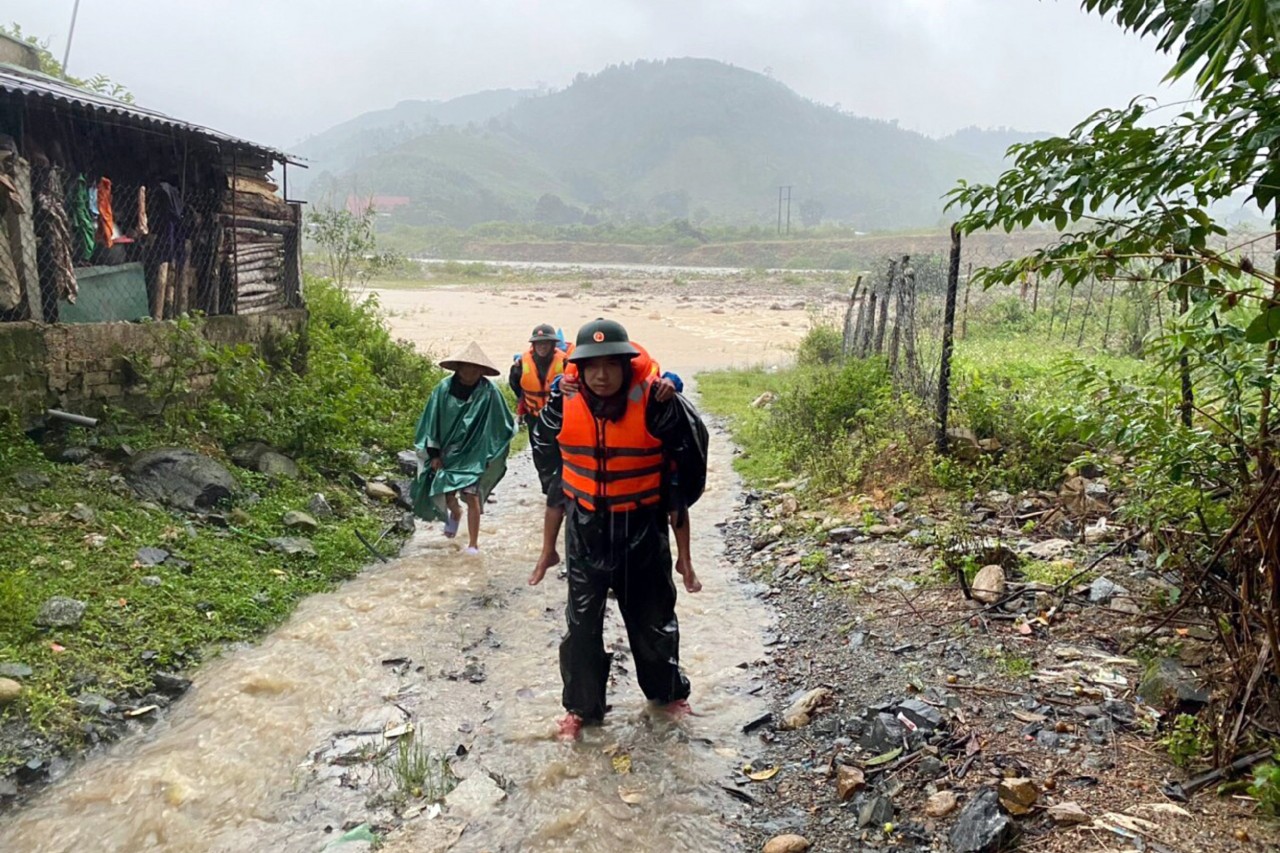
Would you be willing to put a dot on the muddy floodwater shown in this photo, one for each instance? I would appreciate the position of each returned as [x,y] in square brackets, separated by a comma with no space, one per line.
[265,752]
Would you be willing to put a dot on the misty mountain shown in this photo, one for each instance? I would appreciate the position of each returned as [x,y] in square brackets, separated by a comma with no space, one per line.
[989,144]
[684,138]
[340,147]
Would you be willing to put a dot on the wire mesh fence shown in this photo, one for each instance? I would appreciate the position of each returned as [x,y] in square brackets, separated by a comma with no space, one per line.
[899,313]
[109,251]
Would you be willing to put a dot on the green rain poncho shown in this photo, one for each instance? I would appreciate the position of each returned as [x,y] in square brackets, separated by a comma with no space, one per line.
[473,436]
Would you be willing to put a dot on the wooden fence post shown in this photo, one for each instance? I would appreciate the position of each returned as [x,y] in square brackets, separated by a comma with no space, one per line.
[884,307]
[948,325]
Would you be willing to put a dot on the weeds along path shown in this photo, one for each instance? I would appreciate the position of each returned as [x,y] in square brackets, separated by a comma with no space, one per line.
[285,744]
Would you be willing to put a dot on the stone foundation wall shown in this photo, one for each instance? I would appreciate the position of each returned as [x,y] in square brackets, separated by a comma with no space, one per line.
[84,367]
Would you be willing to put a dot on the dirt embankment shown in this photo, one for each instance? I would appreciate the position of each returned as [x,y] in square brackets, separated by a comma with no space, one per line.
[843,253]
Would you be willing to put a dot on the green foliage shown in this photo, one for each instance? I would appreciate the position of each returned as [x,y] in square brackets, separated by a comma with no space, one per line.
[349,245]
[1052,572]
[1016,666]
[346,387]
[361,390]
[1265,787]
[826,423]
[814,561]
[474,269]
[230,587]
[1220,38]
[1188,741]
[821,346]
[99,83]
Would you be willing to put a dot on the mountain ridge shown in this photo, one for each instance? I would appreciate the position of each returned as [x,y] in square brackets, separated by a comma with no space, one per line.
[683,138]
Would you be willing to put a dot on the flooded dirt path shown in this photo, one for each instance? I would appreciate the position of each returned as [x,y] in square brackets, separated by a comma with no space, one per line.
[283,745]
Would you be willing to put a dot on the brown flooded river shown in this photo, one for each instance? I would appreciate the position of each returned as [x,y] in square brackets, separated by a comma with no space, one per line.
[265,753]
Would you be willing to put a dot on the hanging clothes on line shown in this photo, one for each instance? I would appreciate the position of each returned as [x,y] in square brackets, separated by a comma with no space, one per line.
[53,229]
[82,220]
[10,209]
[108,232]
[144,227]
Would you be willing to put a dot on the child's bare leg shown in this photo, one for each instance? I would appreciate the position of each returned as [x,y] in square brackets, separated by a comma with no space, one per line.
[473,519]
[684,552]
[455,514]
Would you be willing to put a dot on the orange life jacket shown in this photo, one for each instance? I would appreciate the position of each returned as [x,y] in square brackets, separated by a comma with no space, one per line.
[535,392]
[611,466]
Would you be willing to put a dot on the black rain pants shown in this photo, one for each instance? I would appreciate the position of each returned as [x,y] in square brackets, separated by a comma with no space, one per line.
[629,553]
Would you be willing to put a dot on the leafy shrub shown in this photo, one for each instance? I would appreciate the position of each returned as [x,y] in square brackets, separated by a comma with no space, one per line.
[359,390]
[822,345]
[1266,787]
[827,420]
[1187,741]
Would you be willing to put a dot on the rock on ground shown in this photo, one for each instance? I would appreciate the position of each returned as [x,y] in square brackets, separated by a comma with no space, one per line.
[15,670]
[988,584]
[786,844]
[981,827]
[381,491]
[319,507]
[298,520]
[183,479]
[293,546]
[261,457]
[475,796]
[1169,686]
[61,612]
[10,690]
[941,804]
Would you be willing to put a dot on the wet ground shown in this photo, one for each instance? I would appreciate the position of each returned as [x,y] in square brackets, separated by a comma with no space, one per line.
[276,746]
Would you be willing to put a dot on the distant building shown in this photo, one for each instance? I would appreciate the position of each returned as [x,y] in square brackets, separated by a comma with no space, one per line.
[384,205]
[112,213]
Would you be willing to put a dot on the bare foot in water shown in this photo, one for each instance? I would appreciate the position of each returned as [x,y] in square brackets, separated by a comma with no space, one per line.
[685,567]
[546,561]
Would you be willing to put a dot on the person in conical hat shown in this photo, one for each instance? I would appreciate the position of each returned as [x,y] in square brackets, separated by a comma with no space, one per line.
[462,441]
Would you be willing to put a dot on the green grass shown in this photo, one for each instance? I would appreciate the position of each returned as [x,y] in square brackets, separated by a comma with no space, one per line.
[1051,572]
[418,771]
[234,589]
[729,393]
[351,409]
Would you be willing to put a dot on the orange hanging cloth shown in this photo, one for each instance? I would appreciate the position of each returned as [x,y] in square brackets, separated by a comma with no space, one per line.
[106,219]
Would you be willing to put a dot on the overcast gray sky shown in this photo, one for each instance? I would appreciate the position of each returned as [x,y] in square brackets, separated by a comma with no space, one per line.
[275,71]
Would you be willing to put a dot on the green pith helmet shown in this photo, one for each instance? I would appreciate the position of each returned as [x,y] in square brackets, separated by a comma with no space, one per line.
[543,332]
[601,338]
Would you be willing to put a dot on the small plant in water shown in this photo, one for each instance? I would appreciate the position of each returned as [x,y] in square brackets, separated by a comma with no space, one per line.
[418,771]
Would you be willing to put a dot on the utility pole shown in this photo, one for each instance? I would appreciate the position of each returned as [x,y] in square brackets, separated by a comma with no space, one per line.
[779,211]
[66,54]
[788,210]
[780,200]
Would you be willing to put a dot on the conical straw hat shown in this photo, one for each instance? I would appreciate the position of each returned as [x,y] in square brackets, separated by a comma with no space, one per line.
[471,355]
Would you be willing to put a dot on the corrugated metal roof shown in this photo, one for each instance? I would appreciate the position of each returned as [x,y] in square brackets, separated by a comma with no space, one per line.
[34,84]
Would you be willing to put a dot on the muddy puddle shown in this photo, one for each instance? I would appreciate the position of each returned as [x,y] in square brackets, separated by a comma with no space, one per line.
[276,746]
